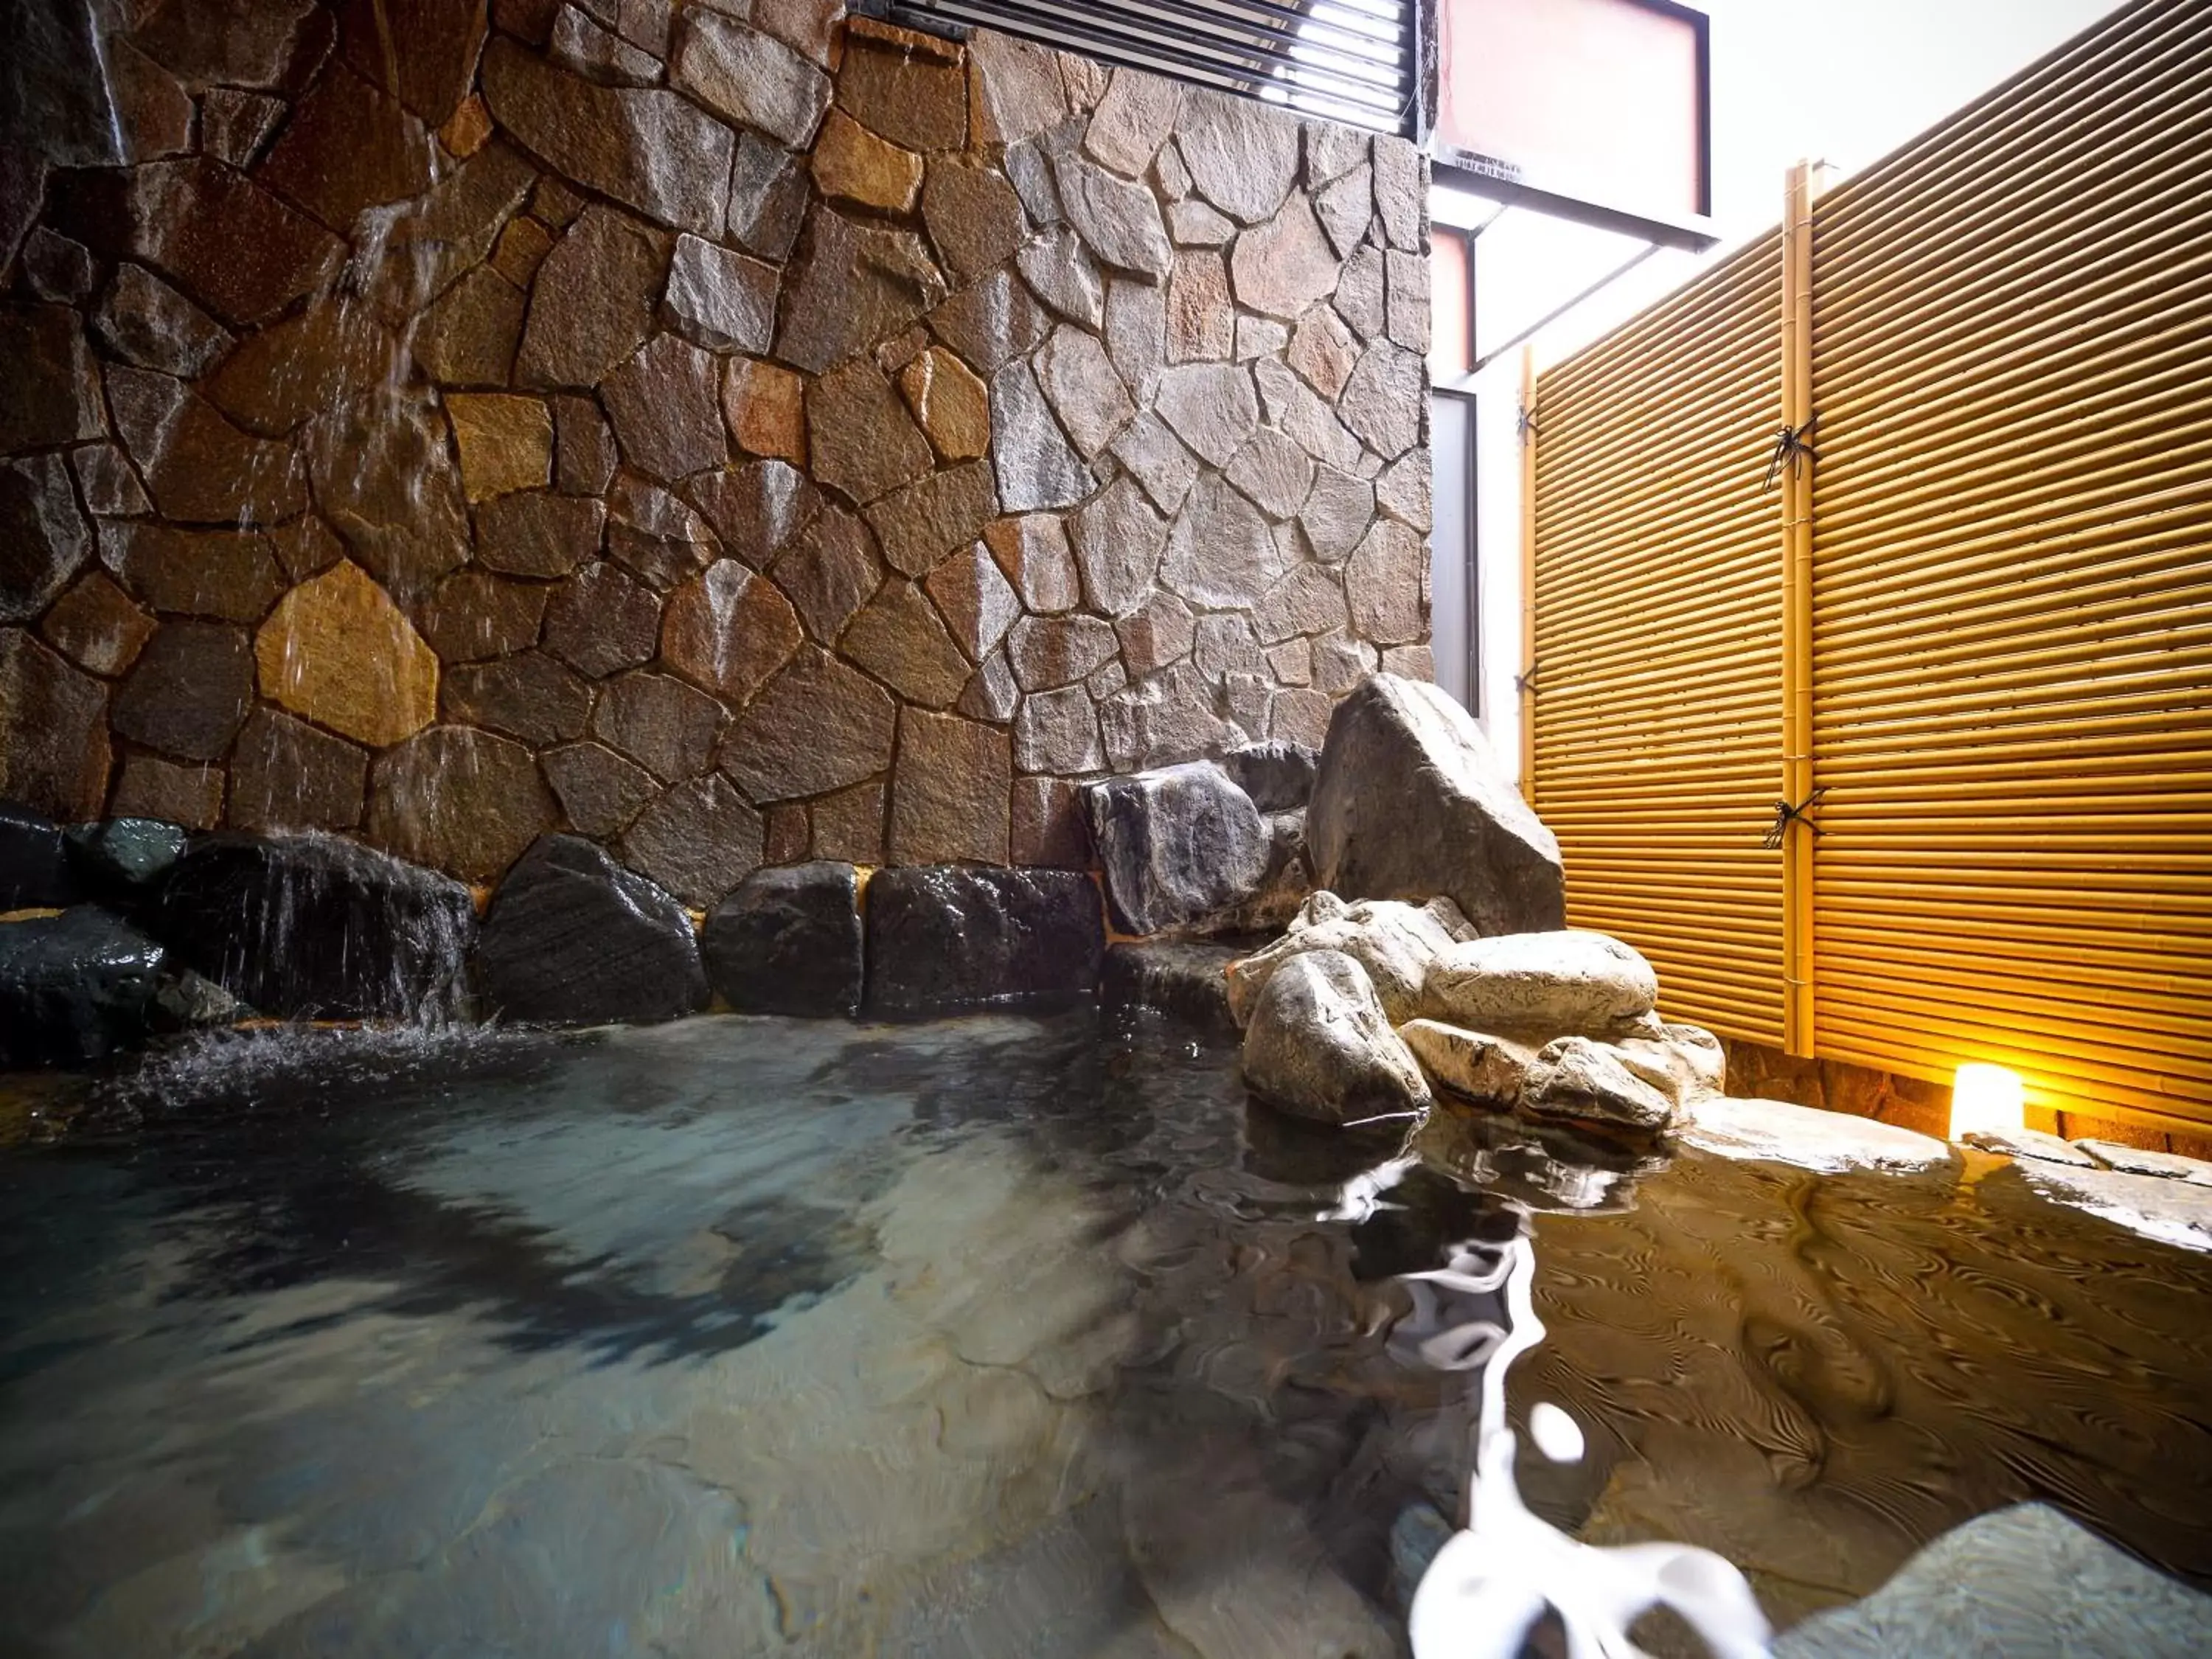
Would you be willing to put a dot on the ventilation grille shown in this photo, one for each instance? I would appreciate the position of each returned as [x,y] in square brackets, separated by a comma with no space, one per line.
[1346,60]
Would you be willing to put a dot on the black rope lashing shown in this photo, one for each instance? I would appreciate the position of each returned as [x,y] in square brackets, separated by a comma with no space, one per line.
[1524,423]
[1526,684]
[1786,815]
[1792,445]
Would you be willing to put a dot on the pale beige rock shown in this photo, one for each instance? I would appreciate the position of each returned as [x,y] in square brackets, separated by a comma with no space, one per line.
[1318,1045]
[1399,945]
[338,651]
[1575,1078]
[1323,350]
[506,442]
[1567,980]
[1466,1062]
[1686,1063]
[1084,388]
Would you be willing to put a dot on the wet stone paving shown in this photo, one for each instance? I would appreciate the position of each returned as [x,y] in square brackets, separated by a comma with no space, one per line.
[996,1336]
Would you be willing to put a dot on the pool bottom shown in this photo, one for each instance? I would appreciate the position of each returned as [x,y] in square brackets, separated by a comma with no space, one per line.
[989,1336]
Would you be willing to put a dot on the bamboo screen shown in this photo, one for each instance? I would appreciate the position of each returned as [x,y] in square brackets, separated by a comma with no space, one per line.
[1658,661]
[2011,643]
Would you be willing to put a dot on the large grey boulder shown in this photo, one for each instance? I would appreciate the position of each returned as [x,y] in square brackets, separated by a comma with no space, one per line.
[1575,1078]
[2024,1583]
[573,939]
[1278,774]
[1176,844]
[1396,943]
[1320,1045]
[1565,981]
[1283,888]
[1410,802]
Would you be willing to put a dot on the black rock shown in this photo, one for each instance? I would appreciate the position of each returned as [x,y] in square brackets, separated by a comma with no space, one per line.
[788,941]
[573,939]
[124,858]
[943,938]
[311,925]
[74,988]
[1278,775]
[1186,981]
[34,866]
[1175,845]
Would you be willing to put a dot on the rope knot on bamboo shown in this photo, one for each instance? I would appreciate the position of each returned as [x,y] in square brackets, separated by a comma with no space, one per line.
[1525,683]
[1793,446]
[1786,815]
[1524,423]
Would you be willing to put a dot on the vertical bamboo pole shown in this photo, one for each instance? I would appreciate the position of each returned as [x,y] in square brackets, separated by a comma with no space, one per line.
[1525,704]
[1797,845]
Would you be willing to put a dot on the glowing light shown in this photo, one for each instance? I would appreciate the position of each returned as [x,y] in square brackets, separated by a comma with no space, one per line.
[1557,1434]
[1986,1099]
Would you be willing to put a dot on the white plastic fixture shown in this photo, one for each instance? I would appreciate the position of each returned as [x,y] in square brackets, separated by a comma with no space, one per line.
[1986,1100]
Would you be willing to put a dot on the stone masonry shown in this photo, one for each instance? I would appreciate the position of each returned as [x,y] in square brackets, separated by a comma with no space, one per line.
[732,434]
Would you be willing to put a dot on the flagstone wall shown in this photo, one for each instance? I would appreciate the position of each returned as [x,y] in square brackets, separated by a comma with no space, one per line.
[736,433]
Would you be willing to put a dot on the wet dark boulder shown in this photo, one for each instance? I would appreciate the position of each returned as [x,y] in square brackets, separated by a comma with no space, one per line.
[944,938]
[313,924]
[1176,844]
[1410,804]
[788,941]
[74,988]
[573,939]
[124,859]
[35,867]
[1278,775]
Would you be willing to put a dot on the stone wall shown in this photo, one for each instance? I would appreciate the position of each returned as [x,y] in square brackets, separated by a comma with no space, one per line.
[733,440]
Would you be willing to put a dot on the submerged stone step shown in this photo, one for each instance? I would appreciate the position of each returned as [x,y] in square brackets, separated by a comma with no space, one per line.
[1189,981]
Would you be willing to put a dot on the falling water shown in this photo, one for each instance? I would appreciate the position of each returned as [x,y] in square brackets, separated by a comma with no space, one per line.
[95,29]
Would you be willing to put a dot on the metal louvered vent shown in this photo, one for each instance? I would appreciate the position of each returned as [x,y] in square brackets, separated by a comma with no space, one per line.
[1348,60]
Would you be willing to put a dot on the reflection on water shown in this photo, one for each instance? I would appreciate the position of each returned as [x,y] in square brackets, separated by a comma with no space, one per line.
[991,1337]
